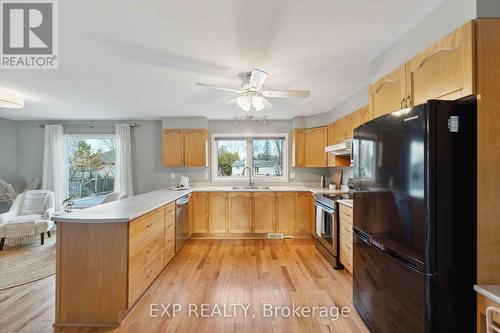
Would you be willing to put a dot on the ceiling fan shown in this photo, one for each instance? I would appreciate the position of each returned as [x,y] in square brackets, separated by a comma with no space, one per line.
[253,93]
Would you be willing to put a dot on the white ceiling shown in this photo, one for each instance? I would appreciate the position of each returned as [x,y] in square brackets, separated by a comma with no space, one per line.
[132,59]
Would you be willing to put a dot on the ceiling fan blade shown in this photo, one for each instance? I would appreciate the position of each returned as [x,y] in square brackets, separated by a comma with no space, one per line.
[257,78]
[232,100]
[218,87]
[286,93]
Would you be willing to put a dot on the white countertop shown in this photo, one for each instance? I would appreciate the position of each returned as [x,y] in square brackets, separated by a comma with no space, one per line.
[490,291]
[128,209]
[347,202]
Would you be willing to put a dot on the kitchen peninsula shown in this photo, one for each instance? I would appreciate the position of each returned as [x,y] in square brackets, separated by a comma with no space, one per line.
[108,255]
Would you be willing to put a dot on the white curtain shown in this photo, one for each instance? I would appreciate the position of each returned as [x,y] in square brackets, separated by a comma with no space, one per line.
[54,173]
[123,167]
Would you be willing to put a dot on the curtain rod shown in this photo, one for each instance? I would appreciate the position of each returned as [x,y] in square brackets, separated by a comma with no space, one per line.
[90,125]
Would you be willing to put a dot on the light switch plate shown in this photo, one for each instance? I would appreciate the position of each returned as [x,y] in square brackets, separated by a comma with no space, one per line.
[292,175]
[172,175]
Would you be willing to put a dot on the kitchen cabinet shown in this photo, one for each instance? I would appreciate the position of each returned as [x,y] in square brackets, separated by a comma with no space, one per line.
[285,212]
[316,141]
[199,201]
[312,220]
[303,213]
[169,232]
[365,114]
[217,212]
[299,148]
[389,93]
[482,304]
[195,148]
[445,70]
[185,148]
[264,212]
[173,147]
[353,121]
[345,236]
[240,212]
[340,130]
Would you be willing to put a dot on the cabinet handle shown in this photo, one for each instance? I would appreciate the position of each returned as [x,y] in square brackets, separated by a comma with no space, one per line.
[408,101]
[149,224]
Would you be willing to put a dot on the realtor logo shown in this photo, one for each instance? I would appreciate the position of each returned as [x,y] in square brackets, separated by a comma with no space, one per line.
[29,34]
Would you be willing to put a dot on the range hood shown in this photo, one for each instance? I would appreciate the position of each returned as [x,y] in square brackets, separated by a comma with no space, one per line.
[343,148]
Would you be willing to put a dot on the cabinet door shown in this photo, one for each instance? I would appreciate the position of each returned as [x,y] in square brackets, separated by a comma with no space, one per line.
[195,148]
[217,212]
[331,141]
[316,141]
[169,232]
[388,94]
[341,130]
[353,121]
[445,70]
[285,212]
[264,212]
[303,215]
[299,148]
[199,200]
[240,212]
[173,147]
[365,114]
[313,215]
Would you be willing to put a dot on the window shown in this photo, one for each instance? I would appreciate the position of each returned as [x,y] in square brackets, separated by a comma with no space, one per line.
[266,155]
[90,168]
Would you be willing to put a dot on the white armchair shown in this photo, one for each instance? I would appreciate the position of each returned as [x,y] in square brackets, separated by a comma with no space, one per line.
[29,215]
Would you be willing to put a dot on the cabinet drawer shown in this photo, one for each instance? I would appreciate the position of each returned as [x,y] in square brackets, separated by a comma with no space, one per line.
[140,281]
[142,254]
[345,229]
[145,226]
[346,252]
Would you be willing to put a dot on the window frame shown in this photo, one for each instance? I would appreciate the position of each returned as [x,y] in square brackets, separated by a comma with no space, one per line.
[256,178]
[81,136]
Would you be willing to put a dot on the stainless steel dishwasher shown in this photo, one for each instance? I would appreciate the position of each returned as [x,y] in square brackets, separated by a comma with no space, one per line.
[181,222]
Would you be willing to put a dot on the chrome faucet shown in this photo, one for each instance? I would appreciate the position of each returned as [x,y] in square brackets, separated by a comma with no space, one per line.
[250,182]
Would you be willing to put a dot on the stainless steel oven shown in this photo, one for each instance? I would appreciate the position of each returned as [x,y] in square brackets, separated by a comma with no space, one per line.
[327,233]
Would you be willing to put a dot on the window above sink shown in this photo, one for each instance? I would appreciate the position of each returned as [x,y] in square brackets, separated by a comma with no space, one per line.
[265,154]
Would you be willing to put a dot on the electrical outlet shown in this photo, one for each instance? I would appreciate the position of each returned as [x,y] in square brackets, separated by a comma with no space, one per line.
[172,175]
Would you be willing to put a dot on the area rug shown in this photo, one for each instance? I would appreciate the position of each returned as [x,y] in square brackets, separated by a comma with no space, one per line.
[27,263]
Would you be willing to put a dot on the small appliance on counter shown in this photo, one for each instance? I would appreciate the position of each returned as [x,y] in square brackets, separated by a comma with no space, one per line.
[183,184]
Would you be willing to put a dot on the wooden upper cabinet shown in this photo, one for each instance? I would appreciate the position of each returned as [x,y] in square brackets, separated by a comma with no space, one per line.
[389,93]
[285,212]
[353,121]
[195,148]
[264,212]
[303,215]
[199,202]
[185,147]
[299,147]
[331,134]
[340,130]
[217,212]
[240,212]
[173,147]
[365,114]
[445,70]
[316,141]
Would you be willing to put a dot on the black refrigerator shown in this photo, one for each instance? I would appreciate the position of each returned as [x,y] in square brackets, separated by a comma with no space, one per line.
[414,232]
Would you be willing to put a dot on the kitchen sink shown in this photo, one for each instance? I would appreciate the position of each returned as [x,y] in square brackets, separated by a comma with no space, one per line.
[247,187]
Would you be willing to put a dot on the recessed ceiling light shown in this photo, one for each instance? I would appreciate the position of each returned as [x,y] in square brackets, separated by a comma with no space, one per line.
[11,99]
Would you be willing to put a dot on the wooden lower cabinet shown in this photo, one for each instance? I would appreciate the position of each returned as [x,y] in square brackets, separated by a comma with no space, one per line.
[217,212]
[240,212]
[482,304]
[169,232]
[345,236]
[199,210]
[285,212]
[264,212]
[303,213]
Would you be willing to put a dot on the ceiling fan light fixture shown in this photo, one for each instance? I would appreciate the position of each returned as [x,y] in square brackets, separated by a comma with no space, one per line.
[258,102]
[245,102]
[11,99]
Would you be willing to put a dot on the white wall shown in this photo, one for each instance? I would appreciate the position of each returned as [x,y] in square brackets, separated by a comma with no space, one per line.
[8,163]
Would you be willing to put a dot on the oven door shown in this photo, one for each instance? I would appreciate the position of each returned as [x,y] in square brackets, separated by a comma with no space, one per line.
[327,228]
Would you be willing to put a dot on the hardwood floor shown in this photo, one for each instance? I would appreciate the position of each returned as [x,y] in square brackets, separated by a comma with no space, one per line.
[215,272]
